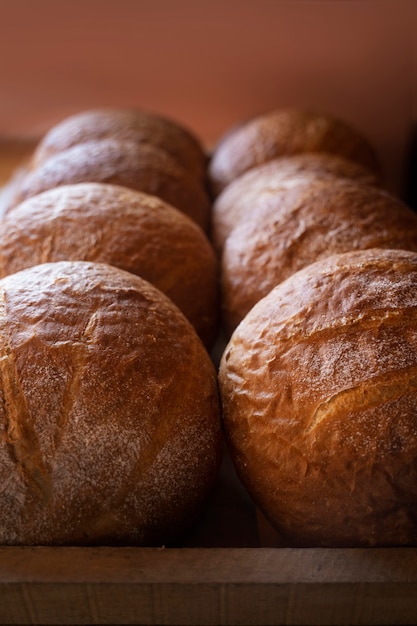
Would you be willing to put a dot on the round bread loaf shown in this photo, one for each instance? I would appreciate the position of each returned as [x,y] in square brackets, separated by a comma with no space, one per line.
[285,132]
[318,386]
[125,125]
[239,199]
[301,224]
[109,414]
[137,166]
[128,229]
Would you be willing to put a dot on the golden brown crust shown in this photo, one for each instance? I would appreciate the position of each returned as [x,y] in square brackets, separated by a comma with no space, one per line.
[125,125]
[238,200]
[109,413]
[141,167]
[304,223]
[128,229]
[285,132]
[319,391]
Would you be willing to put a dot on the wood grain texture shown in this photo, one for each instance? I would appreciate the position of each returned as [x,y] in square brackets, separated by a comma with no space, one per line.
[212,586]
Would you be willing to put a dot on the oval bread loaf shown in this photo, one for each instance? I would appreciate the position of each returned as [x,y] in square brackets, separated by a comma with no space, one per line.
[141,167]
[239,199]
[109,414]
[301,224]
[319,391]
[137,126]
[125,228]
[285,132]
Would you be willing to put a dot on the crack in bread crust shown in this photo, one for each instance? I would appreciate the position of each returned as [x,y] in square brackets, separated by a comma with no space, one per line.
[370,393]
[296,330]
[79,366]
[21,436]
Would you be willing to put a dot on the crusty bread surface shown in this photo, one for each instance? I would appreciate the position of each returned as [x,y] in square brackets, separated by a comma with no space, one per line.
[300,224]
[319,393]
[141,167]
[125,228]
[109,414]
[284,132]
[137,126]
[239,199]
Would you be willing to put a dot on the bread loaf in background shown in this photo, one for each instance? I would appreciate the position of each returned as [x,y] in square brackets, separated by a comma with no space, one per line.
[110,416]
[239,199]
[125,228]
[141,167]
[133,125]
[300,224]
[318,386]
[285,132]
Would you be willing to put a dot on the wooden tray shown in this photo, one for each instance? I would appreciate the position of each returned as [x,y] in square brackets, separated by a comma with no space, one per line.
[207,586]
[224,572]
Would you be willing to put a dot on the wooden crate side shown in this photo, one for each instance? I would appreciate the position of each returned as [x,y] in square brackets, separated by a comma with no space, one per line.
[207,586]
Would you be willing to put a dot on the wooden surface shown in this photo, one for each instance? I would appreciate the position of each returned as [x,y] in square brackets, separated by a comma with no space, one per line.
[207,586]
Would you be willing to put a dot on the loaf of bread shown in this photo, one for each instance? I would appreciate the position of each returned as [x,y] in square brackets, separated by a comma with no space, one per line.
[137,126]
[285,132]
[239,199]
[128,229]
[137,166]
[110,429]
[303,223]
[318,386]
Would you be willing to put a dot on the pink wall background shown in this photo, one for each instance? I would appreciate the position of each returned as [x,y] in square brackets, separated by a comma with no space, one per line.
[212,63]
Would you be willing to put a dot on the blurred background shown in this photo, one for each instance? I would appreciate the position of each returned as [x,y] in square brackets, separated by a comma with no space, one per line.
[210,64]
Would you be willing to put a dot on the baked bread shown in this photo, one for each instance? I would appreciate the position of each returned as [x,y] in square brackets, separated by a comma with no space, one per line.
[132,125]
[239,199]
[137,166]
[128,229]
[302,224]
[109,413]
[285,132]
[318,386]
